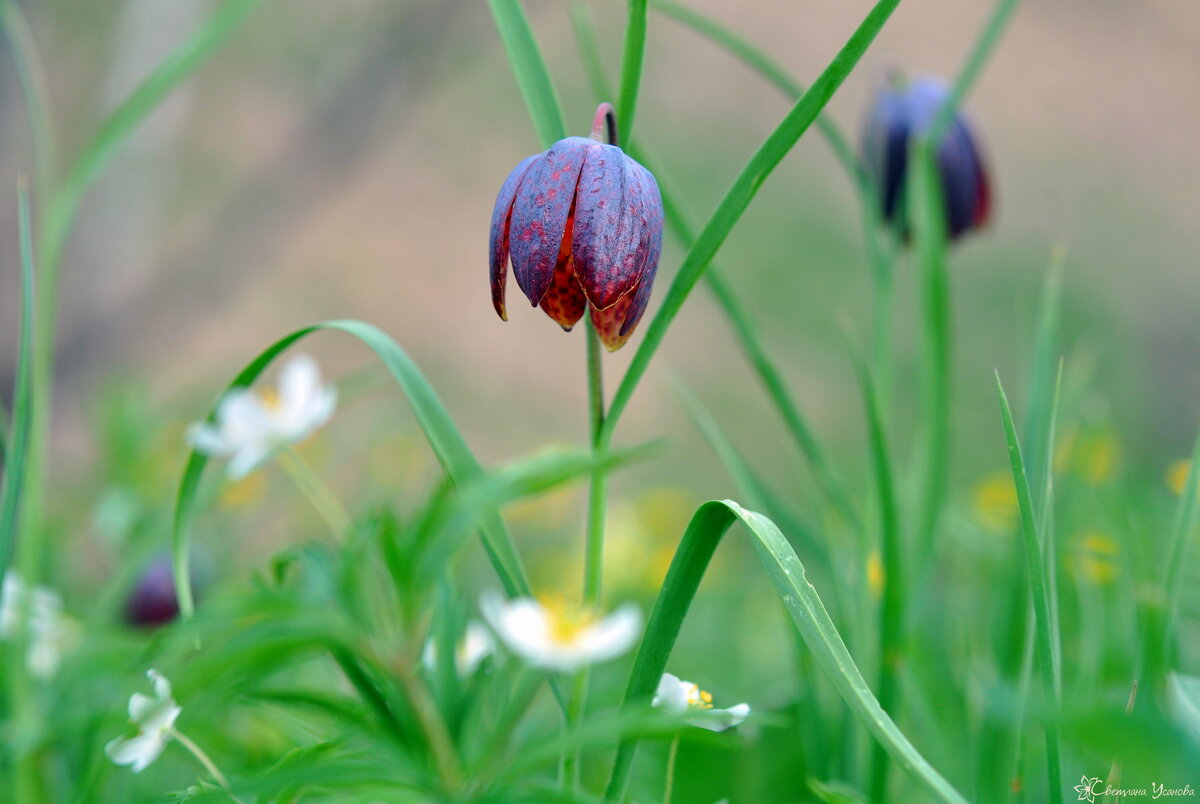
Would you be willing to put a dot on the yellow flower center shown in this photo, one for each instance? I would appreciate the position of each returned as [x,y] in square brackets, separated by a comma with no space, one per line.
[696,697]
[269,398]
[566,621]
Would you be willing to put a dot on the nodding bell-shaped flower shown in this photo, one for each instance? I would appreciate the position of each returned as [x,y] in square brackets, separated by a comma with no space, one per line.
[902,111]
[583,224]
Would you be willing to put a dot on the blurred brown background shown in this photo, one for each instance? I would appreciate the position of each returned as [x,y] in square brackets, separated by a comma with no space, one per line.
[341,159]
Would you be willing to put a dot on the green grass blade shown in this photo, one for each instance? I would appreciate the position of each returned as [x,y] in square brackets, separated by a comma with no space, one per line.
[708,526]
[927,213]
[589,50]
[632,59]
[739,196]
[18,440]
[123,120]
[749,485]
[1187,516]
[989,37]
[447,442]
[760,62]
[529,68]
[1035,566]
[891,608]
[34,93]
[1040,422]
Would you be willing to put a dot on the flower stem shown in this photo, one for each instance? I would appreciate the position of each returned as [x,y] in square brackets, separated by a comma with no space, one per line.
[204,760]
[315,489]
[672,755]
[593,557]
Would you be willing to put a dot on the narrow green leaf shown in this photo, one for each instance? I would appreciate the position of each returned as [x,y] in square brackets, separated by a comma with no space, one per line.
[633,57]
[762,63]
[738,198]
[891,608]
[589,49]
[927,213]
[529,68]
[708,526]
[1040,422]
[1035,564]
[18,440]
[31,77]
[447,442]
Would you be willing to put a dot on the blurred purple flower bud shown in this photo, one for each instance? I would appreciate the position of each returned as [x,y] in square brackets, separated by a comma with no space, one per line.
[902,111]
[583,223]
[152,601]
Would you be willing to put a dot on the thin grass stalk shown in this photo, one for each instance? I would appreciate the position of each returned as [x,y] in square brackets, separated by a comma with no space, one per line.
[1036,568]
[892,597]
[633,58]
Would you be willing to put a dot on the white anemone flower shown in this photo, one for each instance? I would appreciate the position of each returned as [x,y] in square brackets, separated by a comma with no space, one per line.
[155,719]
[685,699]
[35,614]
[475,646]
[554,636]
[250,426]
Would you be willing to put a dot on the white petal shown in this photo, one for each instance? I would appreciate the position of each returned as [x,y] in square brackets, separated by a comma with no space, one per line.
[477,645]
[521,624]
[162,718]
[299,382]
[140,707]
[671,696]
[162,687]
[719,719]
[246,460]
[614,635]
[207,439]
[137,751]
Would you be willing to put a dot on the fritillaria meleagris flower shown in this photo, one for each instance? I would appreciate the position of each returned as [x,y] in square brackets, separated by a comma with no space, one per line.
[583,225]
[904,110]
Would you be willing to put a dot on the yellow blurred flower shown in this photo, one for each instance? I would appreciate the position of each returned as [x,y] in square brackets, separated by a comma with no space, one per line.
[1094,558]
[875,575]
[994,499]
[1177,474]
[1093,456]
[244,492]
[642,535]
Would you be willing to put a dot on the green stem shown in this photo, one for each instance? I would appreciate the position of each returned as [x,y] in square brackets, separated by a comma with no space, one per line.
[203,758]
[672,755]
[593,563]
[631,66]
[318,493]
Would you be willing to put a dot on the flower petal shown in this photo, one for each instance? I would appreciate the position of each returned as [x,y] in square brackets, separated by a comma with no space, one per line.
[608,322]
[498,240]
[539,214]
[564,300]
[654,220]
[718,719]
[611,227]
[670,696]
[612,636]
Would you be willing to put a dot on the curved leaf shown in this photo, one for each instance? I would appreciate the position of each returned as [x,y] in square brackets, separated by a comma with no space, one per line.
[704,533]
